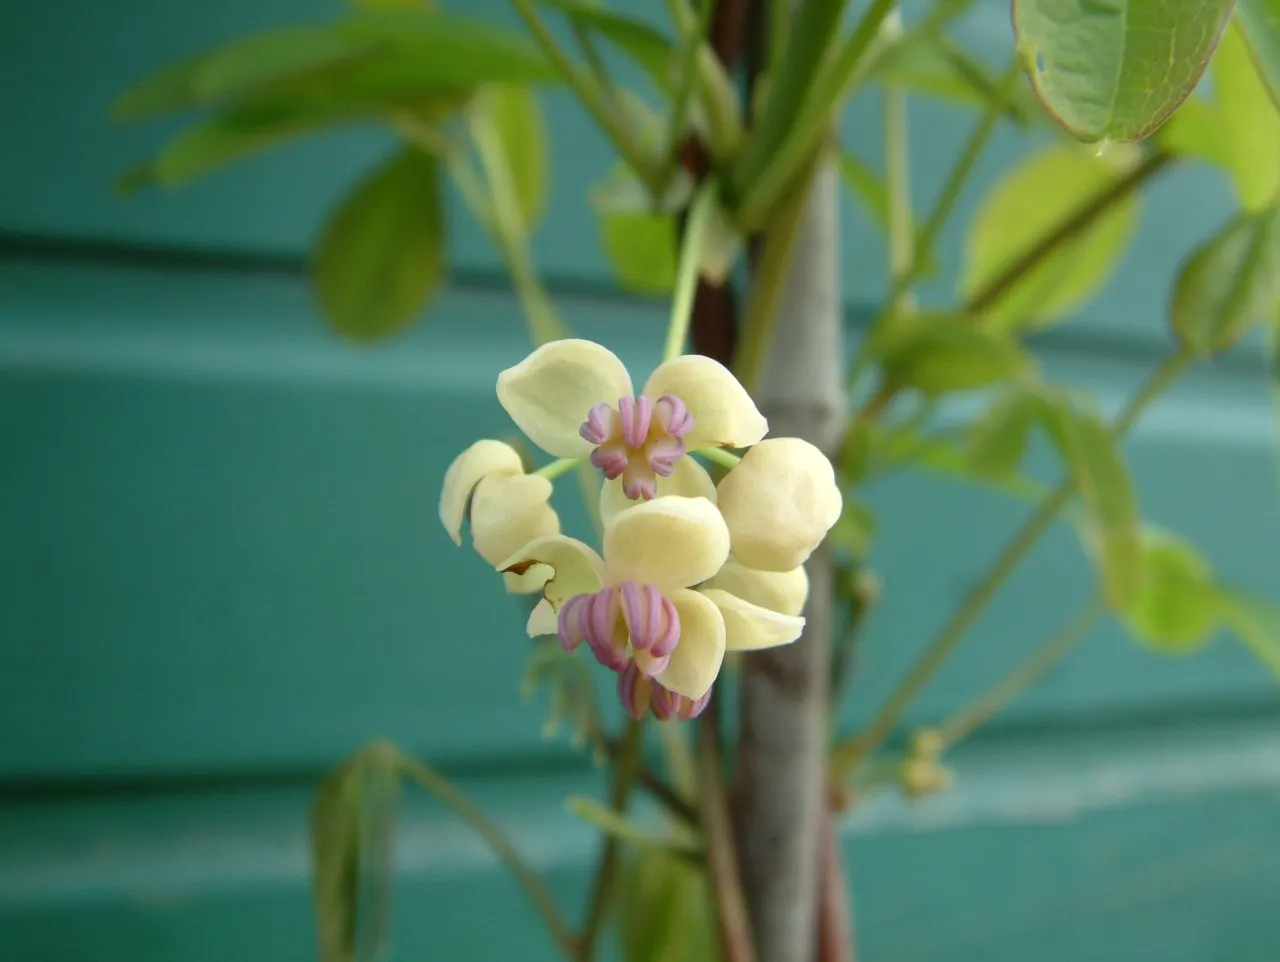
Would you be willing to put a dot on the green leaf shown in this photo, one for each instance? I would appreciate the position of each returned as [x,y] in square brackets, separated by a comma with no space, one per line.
[1177,610]
[517,120]
[939,354]
[648,47]
[1230,284]
[998,439]
[241,67]
[382,256]
[1196,131]
[1257,623]
[665,912]
[869,188]
[1031,201]
[1116,71]
[352,843]
[1112,529]
[1260,20]
[640,240]
[1250,124]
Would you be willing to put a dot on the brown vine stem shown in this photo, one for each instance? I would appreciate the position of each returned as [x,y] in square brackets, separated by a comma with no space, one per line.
[626,768]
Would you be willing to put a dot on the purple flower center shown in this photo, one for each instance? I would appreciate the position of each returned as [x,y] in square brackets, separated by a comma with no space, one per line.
[639,441]
[639,695]
[625,624]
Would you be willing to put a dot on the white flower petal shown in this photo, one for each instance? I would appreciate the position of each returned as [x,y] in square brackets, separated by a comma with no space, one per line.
[698,655]
[749,627]
[667,542]
[529,582]
[779,503]
[577,569]
[723,413]
[782,591]
[543,620]
[688,480]
[482,459]
[508,512]
[550,392]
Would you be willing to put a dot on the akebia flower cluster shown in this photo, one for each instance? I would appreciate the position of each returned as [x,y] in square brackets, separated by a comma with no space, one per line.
[687,569]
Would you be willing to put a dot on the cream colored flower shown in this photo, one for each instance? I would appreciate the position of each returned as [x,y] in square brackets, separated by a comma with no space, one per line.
[779,502]
[637,605]
[574,399]
[507,508]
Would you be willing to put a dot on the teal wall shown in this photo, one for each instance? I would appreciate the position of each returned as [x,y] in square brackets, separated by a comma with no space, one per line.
[220,568]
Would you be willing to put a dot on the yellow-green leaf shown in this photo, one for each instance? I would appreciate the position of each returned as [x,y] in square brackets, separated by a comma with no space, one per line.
[517,119]
[1196,131]
[998,439]
[1256,621]
[382,255]
[1250,123]
[1260,20]
[1230,284]
[1027,205]
[664,910]
[1116,70]
[640,239]
[1112,527]
[938,354]
[1177,610]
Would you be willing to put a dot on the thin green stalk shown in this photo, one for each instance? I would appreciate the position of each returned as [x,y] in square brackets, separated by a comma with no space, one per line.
[592,99]
[592,56]
[500,845]
[626,767]
[558,467]
[692,33]
[957,178]
[850,752]
[690,264]
[968,719]
[759,186]
[898,177]
[726,459]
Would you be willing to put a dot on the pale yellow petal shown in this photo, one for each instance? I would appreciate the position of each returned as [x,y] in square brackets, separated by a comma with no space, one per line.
[508,512]
[723,413]
[779,503]
[542,620]
[577,570]
[550,392]
[688,480]
[529,582]
[697,657]
[782,591]
[749,627]
[482,459]
[667,542]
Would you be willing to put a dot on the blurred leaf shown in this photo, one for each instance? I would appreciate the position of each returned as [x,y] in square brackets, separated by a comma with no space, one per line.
[647,46]
[1230,284]
[1178,608]
[1196,130]
[869,188]
[938,354]
[1116,71]
[640,240]
[1031,201]
[1260,21]
[665,912]
[854,531]
[1113,527]
[1257,623]
[1250,124]
[517,120]
[240,67]
[998,439]
[570,689]
[382,255]
[352,843]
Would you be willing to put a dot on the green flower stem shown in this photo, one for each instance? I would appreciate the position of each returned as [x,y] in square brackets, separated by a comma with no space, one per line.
[849,753]
[700,212]
[626,768]
[543,901]
[726,459]
[968,719]
[897,164]
[556,468]
[592,98]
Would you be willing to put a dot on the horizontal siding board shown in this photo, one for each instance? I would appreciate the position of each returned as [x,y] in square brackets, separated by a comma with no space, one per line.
[1163,844]
[219,544]
[69,62]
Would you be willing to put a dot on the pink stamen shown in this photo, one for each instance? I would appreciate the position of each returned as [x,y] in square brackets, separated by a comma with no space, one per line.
[625,624]
[595,429]
[639,441]
[634,692]
[665,704]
